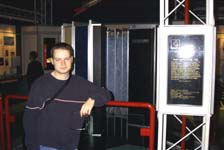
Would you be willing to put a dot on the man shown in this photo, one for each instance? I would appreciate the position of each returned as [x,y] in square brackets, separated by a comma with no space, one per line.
[34,69]
[53,121]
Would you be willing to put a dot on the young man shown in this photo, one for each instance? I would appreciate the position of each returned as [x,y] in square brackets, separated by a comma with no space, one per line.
[53,121]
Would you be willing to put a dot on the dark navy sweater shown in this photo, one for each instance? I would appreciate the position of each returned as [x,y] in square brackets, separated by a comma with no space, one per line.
[57,125]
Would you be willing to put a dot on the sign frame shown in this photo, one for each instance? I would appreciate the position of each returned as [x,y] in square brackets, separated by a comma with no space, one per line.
[208,81]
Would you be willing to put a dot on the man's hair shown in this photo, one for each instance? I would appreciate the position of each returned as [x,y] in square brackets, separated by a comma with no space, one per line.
[64,46]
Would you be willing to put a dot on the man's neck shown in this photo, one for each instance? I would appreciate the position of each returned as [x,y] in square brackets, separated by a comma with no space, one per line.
[60,76]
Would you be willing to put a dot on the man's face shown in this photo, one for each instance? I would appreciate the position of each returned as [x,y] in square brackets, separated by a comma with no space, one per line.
[62,61]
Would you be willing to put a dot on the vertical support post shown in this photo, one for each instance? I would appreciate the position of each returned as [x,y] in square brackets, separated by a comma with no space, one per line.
[73,44]
[7,124]
[183,132]
[154,68]
[90,51]
[41,12]
[152,128]
[164,130]
[166,22]
[162,118]
[73,36]
[35,11]
[143,131]
[205,131]
[160,131]
[210,12]
[184,119]
[1,126]
[186,12]
[45,12]
[161,12]
[10,118]
[62,33]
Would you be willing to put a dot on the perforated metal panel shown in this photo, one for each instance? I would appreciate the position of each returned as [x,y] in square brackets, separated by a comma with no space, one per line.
[117,63]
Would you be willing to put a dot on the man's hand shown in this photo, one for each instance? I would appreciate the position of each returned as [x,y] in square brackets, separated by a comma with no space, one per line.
[87,107]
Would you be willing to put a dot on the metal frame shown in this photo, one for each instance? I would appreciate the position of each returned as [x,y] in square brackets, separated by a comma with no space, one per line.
[206,110]
[2,132]
[90,50]
[42,12]
[144,131]
[162,66]
[10,118]
[63,38]
[165,13]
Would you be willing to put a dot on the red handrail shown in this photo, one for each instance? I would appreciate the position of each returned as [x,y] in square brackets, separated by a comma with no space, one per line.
[150,132]
[1,126]
[9,118]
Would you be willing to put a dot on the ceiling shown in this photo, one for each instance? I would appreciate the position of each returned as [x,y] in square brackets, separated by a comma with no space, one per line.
[122,11]
[103,11]
[146,11]
[23,11]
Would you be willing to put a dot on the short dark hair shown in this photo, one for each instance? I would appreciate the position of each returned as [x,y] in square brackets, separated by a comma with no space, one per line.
[64,46]
[33,55]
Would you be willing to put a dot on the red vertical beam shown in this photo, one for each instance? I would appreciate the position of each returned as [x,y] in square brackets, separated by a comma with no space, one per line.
[1,126]
[183,132]
[9,118]
[186,12]
[7,124]
[45,56]
[184,119]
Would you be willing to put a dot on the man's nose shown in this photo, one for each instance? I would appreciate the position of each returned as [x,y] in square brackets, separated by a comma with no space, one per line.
[62,62]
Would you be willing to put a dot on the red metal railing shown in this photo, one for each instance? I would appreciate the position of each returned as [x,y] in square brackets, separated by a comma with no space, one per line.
[150,131]
[10,118]
[2,140]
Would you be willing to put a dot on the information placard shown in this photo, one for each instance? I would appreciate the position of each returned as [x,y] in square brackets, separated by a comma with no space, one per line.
[185,69]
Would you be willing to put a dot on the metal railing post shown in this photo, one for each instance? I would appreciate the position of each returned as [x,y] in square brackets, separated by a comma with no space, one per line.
[150,131]
[2,140]
[9,118]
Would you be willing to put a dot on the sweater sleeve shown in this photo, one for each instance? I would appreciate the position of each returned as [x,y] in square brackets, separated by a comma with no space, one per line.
[100,95]
[30,128]
[30,119]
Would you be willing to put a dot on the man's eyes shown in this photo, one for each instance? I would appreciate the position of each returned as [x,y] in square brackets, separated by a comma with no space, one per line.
[58,59]
[67,59]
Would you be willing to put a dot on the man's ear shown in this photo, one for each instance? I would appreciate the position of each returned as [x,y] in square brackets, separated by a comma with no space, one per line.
[52,62]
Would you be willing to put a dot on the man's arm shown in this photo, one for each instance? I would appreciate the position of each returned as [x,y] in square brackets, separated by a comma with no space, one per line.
[30,128]
[87,107]
[101,96]
[30,118]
